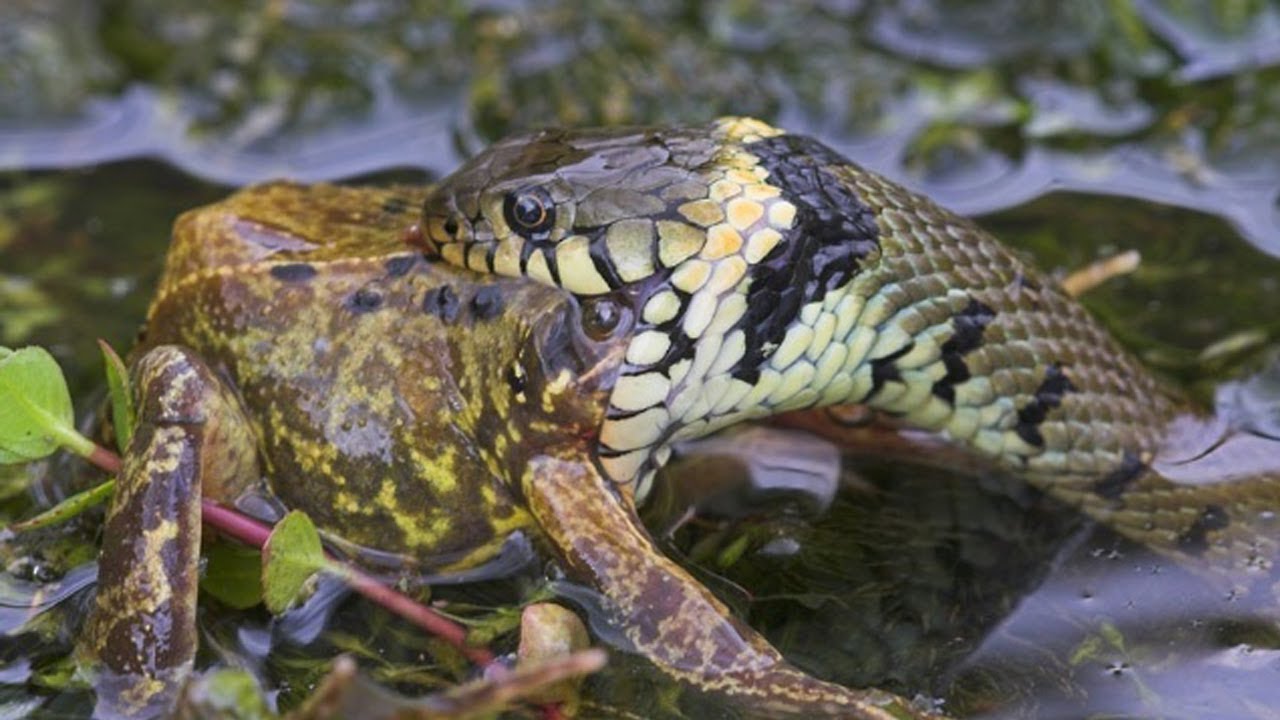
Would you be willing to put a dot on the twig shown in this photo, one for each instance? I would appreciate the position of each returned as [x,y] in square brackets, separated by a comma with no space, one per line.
[255,534]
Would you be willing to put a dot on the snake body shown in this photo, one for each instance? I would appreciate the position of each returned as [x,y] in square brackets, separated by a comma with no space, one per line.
[762,272]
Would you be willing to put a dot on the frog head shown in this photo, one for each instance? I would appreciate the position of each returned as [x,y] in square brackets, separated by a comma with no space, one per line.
[538,380]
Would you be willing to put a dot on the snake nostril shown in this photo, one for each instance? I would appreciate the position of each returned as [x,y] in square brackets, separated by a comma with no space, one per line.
[451,225]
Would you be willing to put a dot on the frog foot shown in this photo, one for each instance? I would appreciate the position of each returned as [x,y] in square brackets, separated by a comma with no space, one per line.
[191,439]
[666,615]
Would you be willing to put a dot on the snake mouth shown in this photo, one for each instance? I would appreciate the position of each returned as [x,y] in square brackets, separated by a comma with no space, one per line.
[442,224]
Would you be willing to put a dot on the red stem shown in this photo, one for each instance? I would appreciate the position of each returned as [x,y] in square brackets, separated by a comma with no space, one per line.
[234,525]
[105,459]
[418,614]
[253,533]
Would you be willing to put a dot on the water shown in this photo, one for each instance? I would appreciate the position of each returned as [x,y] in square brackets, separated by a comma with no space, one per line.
[1077,130]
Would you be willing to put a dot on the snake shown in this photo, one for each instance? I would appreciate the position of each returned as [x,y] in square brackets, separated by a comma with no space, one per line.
[760,272]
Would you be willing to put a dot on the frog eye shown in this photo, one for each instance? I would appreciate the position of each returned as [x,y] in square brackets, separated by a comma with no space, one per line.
[602,316]
[530,213]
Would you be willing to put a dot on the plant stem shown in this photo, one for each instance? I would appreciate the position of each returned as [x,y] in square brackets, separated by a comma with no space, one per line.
[104,459]
[254,533]
[68,508]
[415,612]
[68,438]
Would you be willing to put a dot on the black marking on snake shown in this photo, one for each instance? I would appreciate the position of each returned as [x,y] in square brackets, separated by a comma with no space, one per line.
[1195,541]
[487,303]
[1115,483]
[490,248]
[969,324]
[293,272]
[490,251]
[553,266]
[442,302]
[1022,281]
[884,370]
[1047,397]
[401,265]
[603,264]
[682,346]
[364,300]
[833,232]
[527,249]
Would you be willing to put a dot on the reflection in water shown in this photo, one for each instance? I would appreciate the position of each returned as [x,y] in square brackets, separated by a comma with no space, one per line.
[140,123]
[22,600]
[1114,630]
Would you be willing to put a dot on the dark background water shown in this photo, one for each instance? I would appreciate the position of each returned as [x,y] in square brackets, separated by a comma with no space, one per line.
[1076,130]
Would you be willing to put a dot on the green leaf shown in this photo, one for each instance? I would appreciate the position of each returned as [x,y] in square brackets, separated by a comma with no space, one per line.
[233,575]
[36,416]
[68,508]
[122,415]
[292,555]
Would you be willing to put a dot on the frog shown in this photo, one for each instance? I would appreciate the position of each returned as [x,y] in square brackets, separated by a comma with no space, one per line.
[301,346]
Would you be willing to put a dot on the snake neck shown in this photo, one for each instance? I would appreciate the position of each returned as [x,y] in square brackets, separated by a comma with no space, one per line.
[816,282]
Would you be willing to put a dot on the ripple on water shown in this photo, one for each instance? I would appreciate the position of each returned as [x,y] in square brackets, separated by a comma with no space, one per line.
[1142,638]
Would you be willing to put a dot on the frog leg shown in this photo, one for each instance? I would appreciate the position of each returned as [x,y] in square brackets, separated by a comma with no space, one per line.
[666,615]
[191,438]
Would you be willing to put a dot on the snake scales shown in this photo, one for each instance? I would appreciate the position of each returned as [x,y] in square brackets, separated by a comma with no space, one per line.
[761,272]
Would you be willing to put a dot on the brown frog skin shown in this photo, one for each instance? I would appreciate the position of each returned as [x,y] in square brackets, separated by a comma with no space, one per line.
[407,407]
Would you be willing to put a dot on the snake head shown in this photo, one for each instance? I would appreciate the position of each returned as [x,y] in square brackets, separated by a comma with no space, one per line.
[696,231]
[579,208]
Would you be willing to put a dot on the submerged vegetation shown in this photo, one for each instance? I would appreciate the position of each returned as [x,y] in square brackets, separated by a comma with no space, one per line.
[1078,130]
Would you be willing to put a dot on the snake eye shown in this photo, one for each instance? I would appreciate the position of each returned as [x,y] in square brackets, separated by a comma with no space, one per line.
[602,316]
[529,212]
